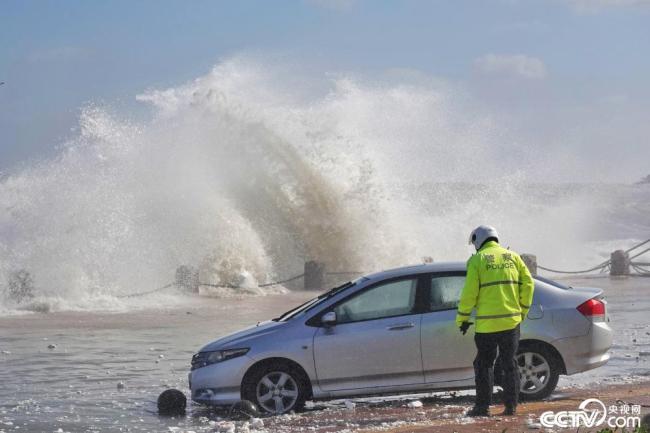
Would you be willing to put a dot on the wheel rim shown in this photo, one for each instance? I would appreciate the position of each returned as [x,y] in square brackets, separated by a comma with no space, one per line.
[277,392]
[534,372]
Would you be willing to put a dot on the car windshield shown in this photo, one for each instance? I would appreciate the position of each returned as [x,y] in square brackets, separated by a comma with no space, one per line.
[553,283]
[316,301]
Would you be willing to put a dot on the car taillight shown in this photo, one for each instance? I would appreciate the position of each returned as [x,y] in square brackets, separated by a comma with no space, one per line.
[593,309]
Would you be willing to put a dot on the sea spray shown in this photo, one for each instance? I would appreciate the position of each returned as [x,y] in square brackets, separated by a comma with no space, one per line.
[245,176]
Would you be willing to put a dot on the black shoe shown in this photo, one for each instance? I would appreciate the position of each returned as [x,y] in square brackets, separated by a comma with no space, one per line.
[478,411]
[509,411]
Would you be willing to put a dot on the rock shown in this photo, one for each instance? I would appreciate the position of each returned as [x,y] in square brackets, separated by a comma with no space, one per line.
[226,427]
[243,409]
[6,352]
[533,425]
[257,423]
[120,385]
[51,346]
[415,404]
[350,405]
[161,356]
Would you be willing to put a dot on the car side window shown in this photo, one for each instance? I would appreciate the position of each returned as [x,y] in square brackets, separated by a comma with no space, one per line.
[445,292]
[395,298]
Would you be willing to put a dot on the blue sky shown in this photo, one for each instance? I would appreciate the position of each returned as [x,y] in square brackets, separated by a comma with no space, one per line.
[574,60]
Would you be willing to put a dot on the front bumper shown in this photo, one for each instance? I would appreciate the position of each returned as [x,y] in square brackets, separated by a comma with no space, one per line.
[588,351]
[219,384]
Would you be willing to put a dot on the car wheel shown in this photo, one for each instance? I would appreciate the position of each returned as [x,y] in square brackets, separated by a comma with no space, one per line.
[538,372]
[275,390]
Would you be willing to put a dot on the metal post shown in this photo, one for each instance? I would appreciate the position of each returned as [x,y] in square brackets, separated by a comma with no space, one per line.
[531,262]
[314,275]
[620,263]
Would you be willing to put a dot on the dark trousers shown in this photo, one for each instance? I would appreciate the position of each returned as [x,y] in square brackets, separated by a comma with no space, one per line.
[507,342]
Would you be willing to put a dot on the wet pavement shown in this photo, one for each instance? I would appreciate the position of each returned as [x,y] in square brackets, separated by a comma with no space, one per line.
[61,371]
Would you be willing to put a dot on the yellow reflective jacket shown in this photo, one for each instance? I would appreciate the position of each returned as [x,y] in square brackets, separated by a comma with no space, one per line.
[499,286]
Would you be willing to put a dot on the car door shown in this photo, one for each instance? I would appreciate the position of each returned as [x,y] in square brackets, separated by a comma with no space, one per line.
[447,355]
[376,340]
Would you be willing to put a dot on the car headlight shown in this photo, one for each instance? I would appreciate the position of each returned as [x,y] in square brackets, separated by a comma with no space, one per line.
[202,359]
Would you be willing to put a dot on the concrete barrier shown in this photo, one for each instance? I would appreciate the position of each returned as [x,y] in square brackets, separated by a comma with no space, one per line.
[314,275]
[20,286]
[620,263]
[187,277]
[531,262]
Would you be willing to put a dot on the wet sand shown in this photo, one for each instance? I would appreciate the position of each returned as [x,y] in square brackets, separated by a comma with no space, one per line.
[73,386]
[445,413]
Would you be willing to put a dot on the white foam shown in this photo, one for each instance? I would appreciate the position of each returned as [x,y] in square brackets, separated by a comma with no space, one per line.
[246,174]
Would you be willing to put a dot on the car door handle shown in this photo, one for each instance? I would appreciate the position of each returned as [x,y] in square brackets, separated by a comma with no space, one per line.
[400,326]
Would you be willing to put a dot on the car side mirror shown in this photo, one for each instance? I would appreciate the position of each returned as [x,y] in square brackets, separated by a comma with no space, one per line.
[328,319]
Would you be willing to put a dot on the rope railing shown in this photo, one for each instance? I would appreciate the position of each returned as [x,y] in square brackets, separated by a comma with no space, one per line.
[637,246]
[642,252]
[606,265]
[230,286]
[276,283]
[345,273]
[220,286]
[641,269]
[149,292]
[586,271]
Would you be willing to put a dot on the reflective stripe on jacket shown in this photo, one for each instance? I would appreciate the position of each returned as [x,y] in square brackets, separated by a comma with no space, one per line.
[499,286]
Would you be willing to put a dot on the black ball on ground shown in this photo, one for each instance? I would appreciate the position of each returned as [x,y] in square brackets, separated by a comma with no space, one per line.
[243,409]
[172,402]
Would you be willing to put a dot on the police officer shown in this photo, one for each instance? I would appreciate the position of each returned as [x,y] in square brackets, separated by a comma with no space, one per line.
[499,286]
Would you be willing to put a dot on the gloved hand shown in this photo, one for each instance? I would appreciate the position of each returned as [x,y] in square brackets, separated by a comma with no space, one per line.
[465,326]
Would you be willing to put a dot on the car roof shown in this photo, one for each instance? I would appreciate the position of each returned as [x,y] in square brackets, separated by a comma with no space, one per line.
[418,269]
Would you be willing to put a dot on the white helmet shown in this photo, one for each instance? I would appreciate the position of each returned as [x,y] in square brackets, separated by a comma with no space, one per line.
[481,234]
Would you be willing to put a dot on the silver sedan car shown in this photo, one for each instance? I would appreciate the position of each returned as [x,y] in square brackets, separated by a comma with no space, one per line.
[394,332]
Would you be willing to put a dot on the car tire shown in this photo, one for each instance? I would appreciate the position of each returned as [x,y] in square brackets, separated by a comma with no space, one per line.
[275,389]
[539,371]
